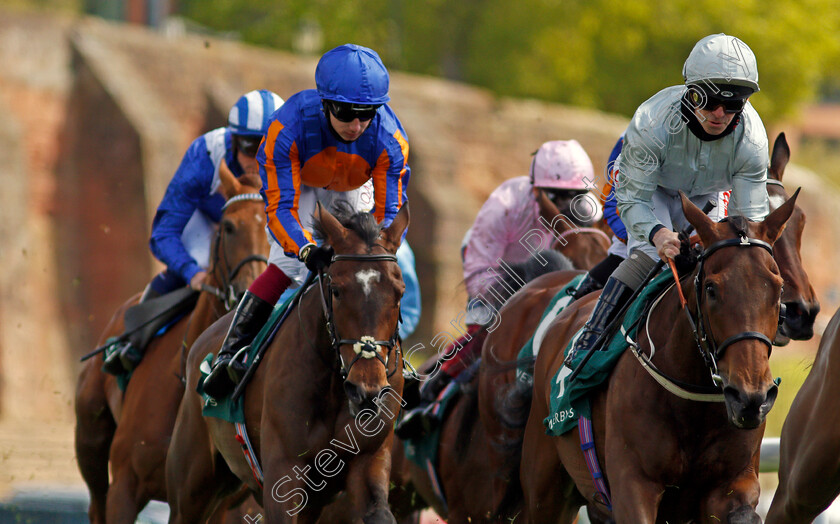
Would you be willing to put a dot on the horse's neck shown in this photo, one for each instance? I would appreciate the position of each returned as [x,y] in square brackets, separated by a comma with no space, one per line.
[676,347]
[208,309]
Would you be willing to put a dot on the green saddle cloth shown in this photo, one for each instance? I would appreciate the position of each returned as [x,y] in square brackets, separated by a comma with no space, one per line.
[571,400]
[423,450]
[225,408]
[562,299]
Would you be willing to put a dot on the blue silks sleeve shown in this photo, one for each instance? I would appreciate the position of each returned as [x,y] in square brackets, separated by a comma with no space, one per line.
[191,182]
[410,306]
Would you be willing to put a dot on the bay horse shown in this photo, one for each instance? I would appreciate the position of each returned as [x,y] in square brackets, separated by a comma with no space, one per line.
[809,472]
[667,457]
[799,298]
[132,429]
[504,402]
[320,417]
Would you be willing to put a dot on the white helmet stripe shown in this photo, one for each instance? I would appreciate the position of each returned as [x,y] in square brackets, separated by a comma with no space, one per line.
[255,110]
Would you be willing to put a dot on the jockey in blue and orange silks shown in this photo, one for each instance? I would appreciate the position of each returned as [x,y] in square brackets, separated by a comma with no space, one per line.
[323,146]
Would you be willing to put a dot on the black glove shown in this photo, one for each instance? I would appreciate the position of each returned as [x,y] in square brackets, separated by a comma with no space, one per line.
[686,261]
[317,258]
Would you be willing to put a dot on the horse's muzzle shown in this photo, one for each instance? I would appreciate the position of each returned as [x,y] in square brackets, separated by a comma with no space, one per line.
[363,397]
[799,322]
[748,410]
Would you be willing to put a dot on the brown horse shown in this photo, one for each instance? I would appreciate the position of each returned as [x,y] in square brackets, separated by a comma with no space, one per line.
[809,472]
[133,428]
[321,406]
[798,297]
[504,403]
[667,457]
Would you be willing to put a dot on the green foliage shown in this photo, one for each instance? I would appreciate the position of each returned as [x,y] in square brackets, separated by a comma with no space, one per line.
[605,54]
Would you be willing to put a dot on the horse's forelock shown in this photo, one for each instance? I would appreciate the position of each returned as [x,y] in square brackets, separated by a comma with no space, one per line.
[740,225]
[363,224]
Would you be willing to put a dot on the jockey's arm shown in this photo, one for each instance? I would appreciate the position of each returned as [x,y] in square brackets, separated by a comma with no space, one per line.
[280,173]
[191,181]
[390,178]
[749,190]
[486,245]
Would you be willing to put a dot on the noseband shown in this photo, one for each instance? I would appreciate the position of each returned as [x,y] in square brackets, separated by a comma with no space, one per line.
[709,349]
[227,295]
[365,346]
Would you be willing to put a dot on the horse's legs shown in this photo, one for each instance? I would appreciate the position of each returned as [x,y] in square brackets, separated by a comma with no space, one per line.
[549,492]
[95,428]
[635,499]
[286,497]
[124,499]
[191,484]
[734,503]
[377,474]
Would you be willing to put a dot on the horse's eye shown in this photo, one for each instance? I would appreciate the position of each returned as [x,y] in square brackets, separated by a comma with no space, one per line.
[334,291]
[710,291]
[228,227]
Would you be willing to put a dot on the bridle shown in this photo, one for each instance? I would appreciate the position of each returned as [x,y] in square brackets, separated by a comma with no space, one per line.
[226,293]
[711,351]
[365,346]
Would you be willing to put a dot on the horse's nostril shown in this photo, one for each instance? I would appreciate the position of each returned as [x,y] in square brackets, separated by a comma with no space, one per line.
[353,392]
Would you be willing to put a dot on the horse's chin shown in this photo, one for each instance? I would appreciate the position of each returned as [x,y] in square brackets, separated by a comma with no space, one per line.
[781,339]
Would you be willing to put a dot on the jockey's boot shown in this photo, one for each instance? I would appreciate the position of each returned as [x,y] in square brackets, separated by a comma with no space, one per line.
[615,294]
[420,421]
[251,314]
[588,285]
[127,357]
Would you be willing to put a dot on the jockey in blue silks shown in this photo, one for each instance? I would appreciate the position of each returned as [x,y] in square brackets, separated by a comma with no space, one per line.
[184,224]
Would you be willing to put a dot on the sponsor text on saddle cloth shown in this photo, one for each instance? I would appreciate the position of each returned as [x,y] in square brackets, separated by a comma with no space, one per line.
[569,401]
[225,408]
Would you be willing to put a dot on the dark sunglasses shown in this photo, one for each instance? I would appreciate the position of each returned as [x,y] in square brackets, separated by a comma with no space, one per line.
[563,194]
[705,99]
[347,112]
[247,144]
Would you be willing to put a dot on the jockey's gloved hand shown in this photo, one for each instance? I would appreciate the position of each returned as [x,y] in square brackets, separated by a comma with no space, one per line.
[686,261]
[315,257]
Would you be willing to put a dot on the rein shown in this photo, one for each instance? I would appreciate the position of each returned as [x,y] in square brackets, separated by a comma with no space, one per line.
[366,347]
[226,293]
[710,351]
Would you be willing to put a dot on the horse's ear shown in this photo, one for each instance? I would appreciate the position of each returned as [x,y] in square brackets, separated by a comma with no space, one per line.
[697,218]
[546,207]
[774,224]
[336,233]
[392,235]
[779,158]
[230,185]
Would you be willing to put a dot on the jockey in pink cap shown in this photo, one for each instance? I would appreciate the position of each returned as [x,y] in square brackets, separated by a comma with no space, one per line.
[559,174]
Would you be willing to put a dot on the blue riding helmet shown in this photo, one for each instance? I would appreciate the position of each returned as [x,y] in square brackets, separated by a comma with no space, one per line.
[249,116]
[352,73]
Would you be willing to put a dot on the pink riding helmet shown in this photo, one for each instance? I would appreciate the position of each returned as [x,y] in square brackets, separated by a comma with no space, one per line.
[562,164]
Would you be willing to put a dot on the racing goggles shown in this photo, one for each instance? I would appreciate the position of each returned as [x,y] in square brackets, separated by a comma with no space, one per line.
[732,98]
[247,144]
[347,112]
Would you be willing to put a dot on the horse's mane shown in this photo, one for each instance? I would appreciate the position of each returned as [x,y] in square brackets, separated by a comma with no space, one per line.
[525,272]
[360,222]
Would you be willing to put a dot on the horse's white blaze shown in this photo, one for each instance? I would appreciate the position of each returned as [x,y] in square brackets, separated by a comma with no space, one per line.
[365,277]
